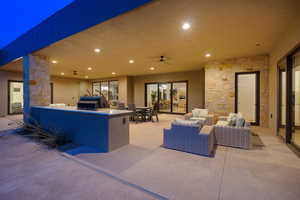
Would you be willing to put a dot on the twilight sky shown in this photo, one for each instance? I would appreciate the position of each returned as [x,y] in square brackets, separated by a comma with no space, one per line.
[19,16]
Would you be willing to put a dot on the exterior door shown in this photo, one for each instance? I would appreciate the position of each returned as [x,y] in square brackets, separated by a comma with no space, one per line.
[15,97]
[247,96]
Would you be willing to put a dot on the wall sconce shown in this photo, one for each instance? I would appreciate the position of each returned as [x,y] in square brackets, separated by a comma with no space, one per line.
[224,78]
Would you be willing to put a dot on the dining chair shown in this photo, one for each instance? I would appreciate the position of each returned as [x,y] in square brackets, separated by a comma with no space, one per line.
[137,115]
[153,112]
[121,106]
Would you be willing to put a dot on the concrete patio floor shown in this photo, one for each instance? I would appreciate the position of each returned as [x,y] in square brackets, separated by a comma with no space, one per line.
[145,170]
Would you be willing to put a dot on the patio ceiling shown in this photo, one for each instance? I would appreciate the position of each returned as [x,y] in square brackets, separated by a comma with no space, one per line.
[225,29]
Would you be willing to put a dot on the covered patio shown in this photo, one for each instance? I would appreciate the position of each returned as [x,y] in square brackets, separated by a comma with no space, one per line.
[144,170]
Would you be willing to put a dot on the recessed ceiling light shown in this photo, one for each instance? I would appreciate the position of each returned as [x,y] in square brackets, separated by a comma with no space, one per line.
[113,73]
[186,26]
[152,68]
[54,61]
[86,77]
[89,68]
[131,61]
[207,55]
[97,50]
[62,73]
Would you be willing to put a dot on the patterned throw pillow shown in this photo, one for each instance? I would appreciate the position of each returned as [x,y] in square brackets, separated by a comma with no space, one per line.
[232,121]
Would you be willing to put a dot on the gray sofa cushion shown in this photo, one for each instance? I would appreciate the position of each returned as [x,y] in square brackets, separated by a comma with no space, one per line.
[183,122]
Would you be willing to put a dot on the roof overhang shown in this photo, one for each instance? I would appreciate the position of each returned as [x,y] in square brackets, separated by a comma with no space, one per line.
[77,16]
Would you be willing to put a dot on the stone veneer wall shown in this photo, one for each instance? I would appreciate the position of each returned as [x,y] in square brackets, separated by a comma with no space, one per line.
[39,81]
[220,84]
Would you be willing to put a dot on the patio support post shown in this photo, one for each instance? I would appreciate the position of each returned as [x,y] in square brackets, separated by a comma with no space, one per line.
[36,83]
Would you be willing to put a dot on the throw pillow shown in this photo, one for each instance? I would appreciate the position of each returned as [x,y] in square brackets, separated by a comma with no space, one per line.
[203,112]
[232,121]
[196,113]
[240,122]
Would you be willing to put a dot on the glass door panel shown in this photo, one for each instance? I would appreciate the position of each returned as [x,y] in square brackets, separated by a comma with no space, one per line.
[96,89]
[152,94]
[282,99]
[165,97]
[246,94]
[104,89]
[15,97]
[179,95]
[113,90]
[296,100]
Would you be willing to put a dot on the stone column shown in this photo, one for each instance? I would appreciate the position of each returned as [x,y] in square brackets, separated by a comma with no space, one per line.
[36,83]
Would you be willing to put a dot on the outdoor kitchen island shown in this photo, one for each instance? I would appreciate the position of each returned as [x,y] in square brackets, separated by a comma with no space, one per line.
[102,130]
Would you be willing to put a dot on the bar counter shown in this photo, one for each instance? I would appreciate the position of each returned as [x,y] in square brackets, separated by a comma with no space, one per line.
[103,129]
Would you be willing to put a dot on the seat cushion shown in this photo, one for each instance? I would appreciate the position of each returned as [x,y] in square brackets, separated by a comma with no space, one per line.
[198,119]
[185,122]
[222,123]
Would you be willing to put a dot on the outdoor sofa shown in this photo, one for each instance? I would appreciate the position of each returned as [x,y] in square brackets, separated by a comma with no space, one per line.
[233,131]
[189,136]
[201,115]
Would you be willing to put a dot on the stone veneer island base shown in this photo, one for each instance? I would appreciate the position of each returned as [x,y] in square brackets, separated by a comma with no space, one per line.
[103,130]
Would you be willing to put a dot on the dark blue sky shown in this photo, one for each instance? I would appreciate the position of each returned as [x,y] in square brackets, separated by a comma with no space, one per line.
[19,16]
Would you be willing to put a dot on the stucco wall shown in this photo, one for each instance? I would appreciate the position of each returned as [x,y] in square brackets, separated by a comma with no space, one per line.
[287,43]
[65,90]
[195,86]
[220,84]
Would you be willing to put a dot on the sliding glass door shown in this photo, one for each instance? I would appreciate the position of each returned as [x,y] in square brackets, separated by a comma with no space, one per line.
[247,96]
[171,96]
[295,100]
[289,98]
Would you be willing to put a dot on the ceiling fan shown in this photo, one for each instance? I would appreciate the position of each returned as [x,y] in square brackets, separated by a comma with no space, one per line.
[161,60]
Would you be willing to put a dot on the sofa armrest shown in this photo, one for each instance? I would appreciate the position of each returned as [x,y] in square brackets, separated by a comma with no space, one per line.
[222,118]
[247,124]
[188,116]
[206,130]
[233,136]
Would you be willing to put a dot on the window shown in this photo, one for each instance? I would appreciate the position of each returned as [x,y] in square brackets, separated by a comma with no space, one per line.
[109,89]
